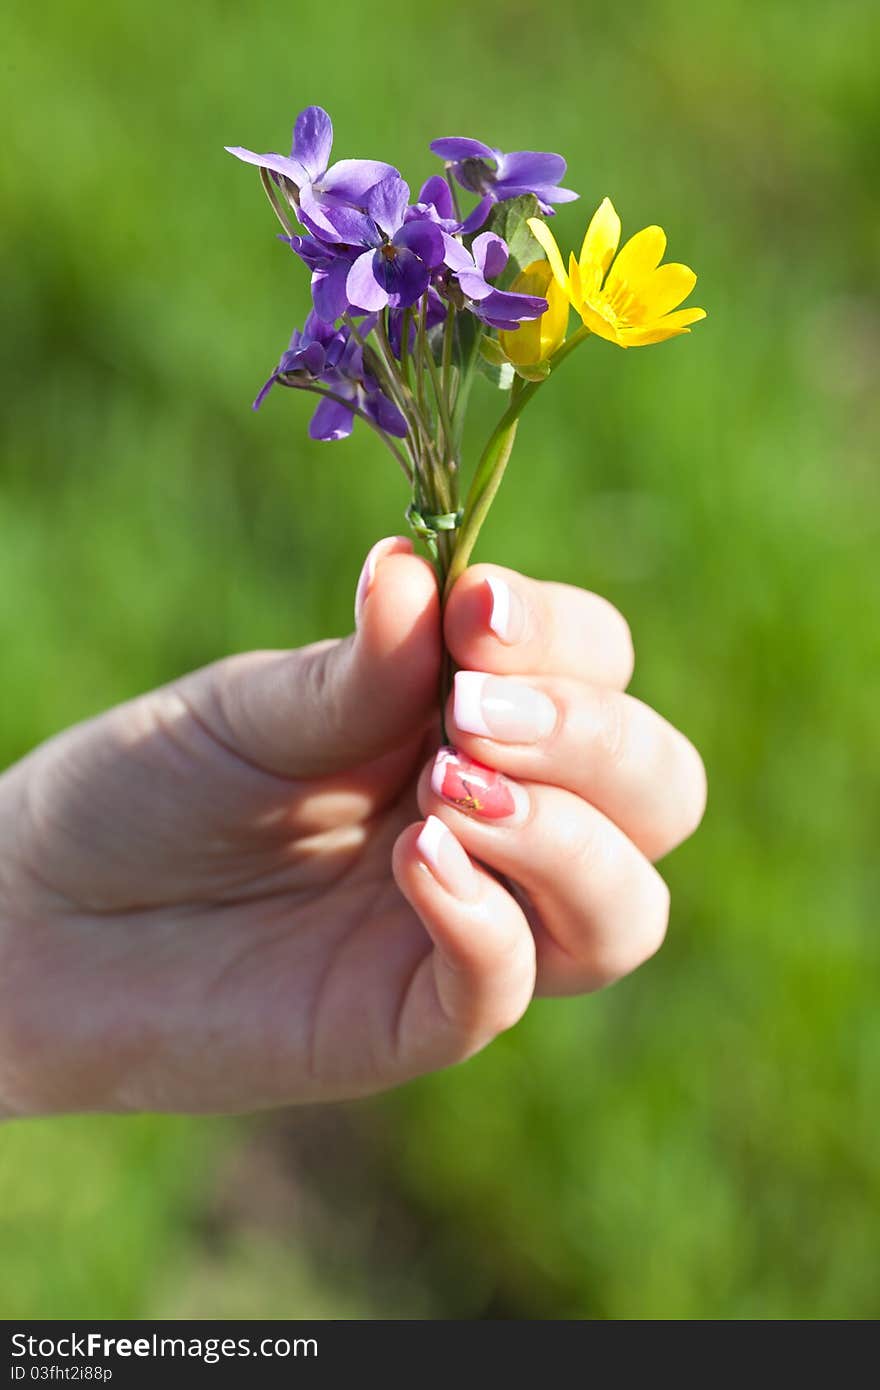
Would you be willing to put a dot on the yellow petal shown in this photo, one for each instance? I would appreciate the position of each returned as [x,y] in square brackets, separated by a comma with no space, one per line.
[641,254]
[576,289]
[554,324]
[533,342]
[542,233]
[665,288]
[599,244]
[670,326]
[598,325]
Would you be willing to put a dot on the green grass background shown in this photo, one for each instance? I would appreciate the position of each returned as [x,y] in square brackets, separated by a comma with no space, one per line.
[700,1141]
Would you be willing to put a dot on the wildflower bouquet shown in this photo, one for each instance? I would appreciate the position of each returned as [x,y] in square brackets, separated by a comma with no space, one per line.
[411,299]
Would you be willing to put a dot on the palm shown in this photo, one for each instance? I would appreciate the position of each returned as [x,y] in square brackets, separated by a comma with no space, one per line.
[261,908]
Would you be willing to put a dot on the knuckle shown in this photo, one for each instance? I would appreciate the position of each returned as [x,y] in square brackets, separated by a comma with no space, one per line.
[610,726]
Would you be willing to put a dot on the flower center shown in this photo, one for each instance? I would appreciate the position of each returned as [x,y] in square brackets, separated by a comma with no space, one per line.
[388,251]
[477,175]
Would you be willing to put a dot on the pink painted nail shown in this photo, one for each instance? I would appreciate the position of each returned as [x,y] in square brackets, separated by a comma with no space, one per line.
[478,790]
[389,545]
[507,616]
[447,860]
[496,707]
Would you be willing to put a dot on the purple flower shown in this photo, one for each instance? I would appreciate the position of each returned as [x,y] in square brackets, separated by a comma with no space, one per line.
[350,379]
[329,200]
[329,266]
[496,176]
[309,354]
[435,203]
[396,267]
[323,355]
[472,270]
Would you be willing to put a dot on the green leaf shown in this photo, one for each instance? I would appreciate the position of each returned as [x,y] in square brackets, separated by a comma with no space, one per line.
[509,220]
[491,349]
[538,371]
[499,373]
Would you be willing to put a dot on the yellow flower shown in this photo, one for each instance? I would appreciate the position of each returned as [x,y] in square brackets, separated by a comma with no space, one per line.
[627,300]
[537,340]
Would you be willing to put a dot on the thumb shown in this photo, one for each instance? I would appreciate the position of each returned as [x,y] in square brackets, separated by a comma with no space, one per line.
[341,702]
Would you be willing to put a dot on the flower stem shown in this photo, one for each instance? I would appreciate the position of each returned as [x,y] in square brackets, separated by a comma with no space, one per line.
[493,461]
[269,188]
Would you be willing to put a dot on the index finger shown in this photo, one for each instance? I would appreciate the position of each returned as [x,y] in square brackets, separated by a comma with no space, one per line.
[502,622]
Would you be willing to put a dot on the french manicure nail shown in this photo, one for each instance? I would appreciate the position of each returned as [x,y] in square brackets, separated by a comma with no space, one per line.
[389,545]
[447,860]
[507,616]
[495,707]
[478,790]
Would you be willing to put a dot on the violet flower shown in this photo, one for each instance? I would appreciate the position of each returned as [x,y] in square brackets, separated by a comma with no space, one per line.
[396,269]
[329,266]
[350,379]
[321,355]
[472,271]
[496,176]
[328,200]
[436,203]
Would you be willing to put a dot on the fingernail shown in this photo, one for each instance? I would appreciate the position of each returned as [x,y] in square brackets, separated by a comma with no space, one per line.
[389,545]
[447,860]
[478,790]
[495,707]
[507,616]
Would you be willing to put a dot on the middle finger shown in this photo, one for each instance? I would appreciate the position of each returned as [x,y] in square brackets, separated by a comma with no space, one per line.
[606,747]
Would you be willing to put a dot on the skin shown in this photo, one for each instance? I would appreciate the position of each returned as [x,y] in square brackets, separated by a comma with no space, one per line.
[212,898]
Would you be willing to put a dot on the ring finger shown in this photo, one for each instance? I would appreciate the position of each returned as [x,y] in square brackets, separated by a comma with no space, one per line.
[600,907]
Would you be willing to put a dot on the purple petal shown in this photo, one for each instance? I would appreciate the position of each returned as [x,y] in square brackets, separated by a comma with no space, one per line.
[353,178]
[362,287]
[425,239]
[316,254]
[335,222]
[511,308]
[530,167]
[385,413]
[436,191]
[309,358]
[472,284]
[264,391]
[456,256]
[329,293]
[278,163]
[545,193]
[477,216]
[459,147]
[404,277]
[490,254]
[331,421]
[386,203]
[510,325]
[313,140]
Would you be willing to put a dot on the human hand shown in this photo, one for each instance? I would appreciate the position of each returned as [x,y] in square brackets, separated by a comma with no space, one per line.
[219,896]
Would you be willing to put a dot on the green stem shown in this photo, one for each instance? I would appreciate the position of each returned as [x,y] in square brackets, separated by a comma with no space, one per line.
[493,461]
[442,404]
[271,194]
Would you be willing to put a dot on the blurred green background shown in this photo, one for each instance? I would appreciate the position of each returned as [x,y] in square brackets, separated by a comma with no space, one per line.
[701,1140]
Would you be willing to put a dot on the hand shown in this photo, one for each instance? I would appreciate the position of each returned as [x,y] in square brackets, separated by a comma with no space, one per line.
[220,897]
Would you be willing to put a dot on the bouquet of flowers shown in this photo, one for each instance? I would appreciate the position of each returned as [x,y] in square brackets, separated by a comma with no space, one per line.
[412,298]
